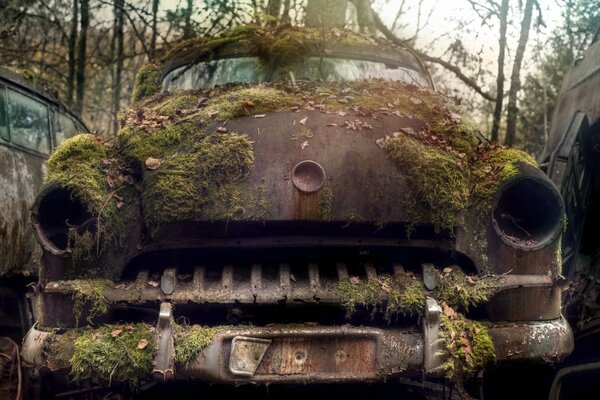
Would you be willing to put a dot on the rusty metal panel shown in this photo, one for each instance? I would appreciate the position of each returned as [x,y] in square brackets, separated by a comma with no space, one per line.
[333,355]
[20,178]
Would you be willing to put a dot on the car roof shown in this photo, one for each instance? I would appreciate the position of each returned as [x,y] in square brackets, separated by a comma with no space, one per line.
[42,89]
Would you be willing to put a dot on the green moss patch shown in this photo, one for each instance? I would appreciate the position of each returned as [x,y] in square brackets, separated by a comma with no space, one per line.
[88,297]
[191,341]
[468,346]
[117,353]
[464,291]
[86,167]
[191,186]
[404,295]
[437,187]
[492,166]
[147,82]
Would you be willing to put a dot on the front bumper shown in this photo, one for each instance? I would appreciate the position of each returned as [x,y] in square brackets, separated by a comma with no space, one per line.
[327,353]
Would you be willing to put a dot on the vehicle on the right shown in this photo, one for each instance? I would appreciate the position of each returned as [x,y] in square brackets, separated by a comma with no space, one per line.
[571,159]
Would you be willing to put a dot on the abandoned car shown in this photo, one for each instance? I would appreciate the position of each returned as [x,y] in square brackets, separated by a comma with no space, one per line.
[32,123]
[571,160]
[293,207]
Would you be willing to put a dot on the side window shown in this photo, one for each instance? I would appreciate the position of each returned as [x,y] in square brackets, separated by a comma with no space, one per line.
[3,115]
[28,122]
[65,129]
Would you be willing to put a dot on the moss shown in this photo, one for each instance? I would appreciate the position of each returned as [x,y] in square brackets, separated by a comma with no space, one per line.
[191,341]
[76,166]
[113,353]
[147,82]
[81,246]
[141,144]
[404,293]
[190,186]
[463,291]
[59,349]
[494,165]
[88,297]
[468,346]
[234,103]
[437,187]
[326,205]
[85,166]
[303,133]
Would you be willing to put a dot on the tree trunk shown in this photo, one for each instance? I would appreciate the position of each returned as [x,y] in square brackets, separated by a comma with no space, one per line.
[326,13]
[500,77]
[188,30]
[364,16]
[273,10]
[155,4]
[515,79]
[71,54]
[119,22]
[285,16]
[81,55]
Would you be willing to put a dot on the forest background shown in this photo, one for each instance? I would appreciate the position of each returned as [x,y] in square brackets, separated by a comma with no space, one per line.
[502,60]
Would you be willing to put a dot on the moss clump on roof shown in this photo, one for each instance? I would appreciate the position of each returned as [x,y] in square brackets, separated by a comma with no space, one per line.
[437,187]
[191,341]
[403,294]
[468,346]
[245,101]
[147,82]
[116,353]
[189,186]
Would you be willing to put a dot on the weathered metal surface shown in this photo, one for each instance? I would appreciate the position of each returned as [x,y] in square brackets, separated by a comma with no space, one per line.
[313,284]
[20,179]
[246,354]
[314,354]
[345,353]
[164,361]
[549,341]
[431,330]
[33,347]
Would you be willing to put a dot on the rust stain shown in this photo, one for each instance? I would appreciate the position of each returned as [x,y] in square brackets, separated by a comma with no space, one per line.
[307,206]
[328,355]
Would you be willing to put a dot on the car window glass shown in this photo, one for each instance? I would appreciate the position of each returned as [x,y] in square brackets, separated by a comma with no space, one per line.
[28,122]
[208,74]
[3,114]
[65,128]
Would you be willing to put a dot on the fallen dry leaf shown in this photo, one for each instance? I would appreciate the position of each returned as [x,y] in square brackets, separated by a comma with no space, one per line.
[380,142]
[332,124]
[448,311]
[447,270]
[222,129]
[416,101]
[142,344]
[310,323]
[455,118]
[260,115]
[128,179]
[128,328]
[355,280]
[153,283]
[248,104]
[304,145]
[303,121]
[116,332]
[212,113]
[95,335]
[471,280]
[153,163]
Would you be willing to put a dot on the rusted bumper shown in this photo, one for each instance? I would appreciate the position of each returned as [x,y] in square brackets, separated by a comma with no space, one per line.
[334,353]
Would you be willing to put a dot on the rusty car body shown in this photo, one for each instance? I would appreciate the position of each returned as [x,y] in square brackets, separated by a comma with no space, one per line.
[571,160]
[294,206]
[32,123]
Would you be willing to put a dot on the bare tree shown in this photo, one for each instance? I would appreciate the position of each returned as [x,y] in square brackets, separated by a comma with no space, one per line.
[326,13]
[155,4]
[118,35]
[71,53]
[503,17]
[515,79]
[81,56]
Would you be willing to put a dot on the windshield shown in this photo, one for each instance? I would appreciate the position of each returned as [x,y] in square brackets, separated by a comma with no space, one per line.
[205,75]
